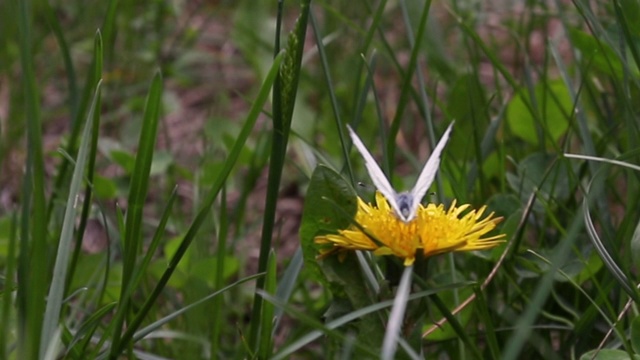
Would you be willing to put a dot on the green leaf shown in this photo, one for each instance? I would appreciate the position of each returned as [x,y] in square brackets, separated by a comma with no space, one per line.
[329,205]
[608,354]
[170,249]
[202,268]
[553,106]
[104,188]
[123,158]
[88,268]
[160,163]
[189,266]
[588,268]
[598,54]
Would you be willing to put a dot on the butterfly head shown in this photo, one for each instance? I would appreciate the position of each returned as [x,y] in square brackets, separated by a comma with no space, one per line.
[405,204]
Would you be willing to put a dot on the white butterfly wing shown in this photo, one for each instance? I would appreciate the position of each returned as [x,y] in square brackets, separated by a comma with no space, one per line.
[375,173]
[428,172]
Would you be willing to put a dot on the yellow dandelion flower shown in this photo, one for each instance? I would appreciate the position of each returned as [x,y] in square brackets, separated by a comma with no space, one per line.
[433,231]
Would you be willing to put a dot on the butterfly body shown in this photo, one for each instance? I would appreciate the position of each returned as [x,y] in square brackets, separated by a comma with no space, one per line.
[405,201]
[404,204]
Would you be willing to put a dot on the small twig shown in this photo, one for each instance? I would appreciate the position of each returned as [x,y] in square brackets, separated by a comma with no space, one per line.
[604,339]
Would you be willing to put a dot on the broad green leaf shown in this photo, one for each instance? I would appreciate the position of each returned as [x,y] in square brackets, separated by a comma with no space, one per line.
[89,272]
[608,354]
[348,287]
[554,107]
[104,188]
[123,158]
[329,205]
[204,269]
[580,268]
[589,268]
[160,162]
[599,54]
[170,249]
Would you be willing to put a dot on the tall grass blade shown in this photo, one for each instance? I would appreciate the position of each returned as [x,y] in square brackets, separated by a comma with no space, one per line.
[57,289]
[265,348]
[32,269]
[93,150]
[221,254]
[284,95]
[136,199]
[78,110]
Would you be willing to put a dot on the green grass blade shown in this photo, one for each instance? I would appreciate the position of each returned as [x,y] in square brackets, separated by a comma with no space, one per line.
[485,318]
[86,206]
[140,271]
[78,111]
[57,289]
[54,23]
[155,242]
[32,274]
[140,178]
[284,94]
[265,348]
[108,27]
[82,337]
[137,195]
[221,254]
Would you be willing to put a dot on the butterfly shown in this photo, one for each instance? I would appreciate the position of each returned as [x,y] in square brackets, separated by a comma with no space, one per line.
[405,204]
